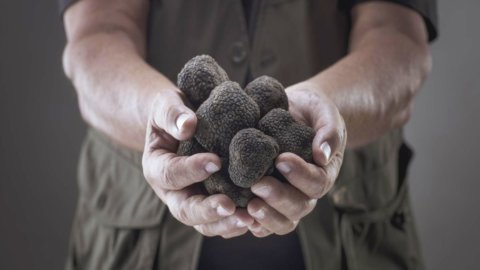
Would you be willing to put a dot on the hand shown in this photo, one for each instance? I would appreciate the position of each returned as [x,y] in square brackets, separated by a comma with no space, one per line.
[280,206]
[175,179]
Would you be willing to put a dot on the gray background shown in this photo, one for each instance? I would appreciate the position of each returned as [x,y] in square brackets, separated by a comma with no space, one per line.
[41,133]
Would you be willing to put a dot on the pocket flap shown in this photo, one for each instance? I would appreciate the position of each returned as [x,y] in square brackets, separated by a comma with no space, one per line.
[369,179]
[111,182]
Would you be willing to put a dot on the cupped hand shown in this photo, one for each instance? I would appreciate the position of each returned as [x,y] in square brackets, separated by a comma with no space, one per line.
[176,179]
[280,206]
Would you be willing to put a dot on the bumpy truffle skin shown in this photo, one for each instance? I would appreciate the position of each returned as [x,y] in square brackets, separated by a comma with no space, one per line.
[252,155]
[190,147]
[219,182]
[199,77]
[291,136]
[268,93]
[227,110]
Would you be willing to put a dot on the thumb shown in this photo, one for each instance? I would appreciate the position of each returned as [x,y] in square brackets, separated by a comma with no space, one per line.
[328,141]
[170,114]
[330,138]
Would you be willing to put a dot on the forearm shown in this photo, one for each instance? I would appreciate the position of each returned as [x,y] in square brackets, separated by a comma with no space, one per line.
[115,85]
[374,85]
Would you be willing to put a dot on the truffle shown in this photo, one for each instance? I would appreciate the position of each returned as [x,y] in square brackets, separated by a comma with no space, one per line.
[290,135]
[252,154]
[227,110]
[199,77]
[268,93]
[190,147]
[226,119]
[219,182]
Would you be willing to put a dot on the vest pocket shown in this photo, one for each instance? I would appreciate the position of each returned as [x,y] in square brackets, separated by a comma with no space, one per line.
[118,215]
[376,225]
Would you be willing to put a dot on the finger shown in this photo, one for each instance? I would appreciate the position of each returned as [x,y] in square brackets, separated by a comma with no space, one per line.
[168,171]
[258,230]
[270,218]
[329,140]
[235,224]
[235,234]
[158,139]
[171,114]
[284,198]
[198,209]
[312,180]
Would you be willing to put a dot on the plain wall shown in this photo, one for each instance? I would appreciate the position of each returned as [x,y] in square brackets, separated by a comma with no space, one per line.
[445,132]
[40,138]
[41,134]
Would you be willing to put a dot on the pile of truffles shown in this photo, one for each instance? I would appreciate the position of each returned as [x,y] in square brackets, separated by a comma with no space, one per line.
[247,128]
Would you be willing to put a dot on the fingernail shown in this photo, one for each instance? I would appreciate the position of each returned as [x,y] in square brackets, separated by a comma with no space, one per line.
[211,167]
[262,191]
[260,214]
[241,224]
[326,150]
[181,120]
[222,211]
[283,167]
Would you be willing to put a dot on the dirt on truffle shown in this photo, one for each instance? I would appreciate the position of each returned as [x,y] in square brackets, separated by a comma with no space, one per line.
[199,77]
[227,110]
[252,155]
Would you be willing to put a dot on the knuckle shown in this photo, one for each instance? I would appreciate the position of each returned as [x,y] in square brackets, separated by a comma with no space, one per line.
[261,233]
[318,191]
[288,228]
[147,174]
[203,230]
[208,214]
[205,212]
[277,193]
[168,178]
[183,216]
[306,206]
[169,118]
[233,234]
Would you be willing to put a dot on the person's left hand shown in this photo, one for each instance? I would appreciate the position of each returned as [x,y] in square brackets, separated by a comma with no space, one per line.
[280,206]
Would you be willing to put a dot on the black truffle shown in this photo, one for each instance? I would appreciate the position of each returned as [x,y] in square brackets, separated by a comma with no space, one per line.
[268,93]
[227,117]
[199,77]
[227,110]
[290,135]
[252,154]
[219,182]
[190,147]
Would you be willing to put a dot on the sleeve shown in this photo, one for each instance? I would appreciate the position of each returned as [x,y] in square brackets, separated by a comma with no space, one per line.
[426,8]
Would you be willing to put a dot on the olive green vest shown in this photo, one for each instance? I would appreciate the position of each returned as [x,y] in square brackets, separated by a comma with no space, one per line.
[365,222]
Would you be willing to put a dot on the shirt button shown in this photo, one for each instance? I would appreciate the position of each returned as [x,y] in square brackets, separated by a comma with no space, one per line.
[238,52]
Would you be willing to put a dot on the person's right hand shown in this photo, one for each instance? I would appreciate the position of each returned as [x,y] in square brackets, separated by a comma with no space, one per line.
[176,179]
